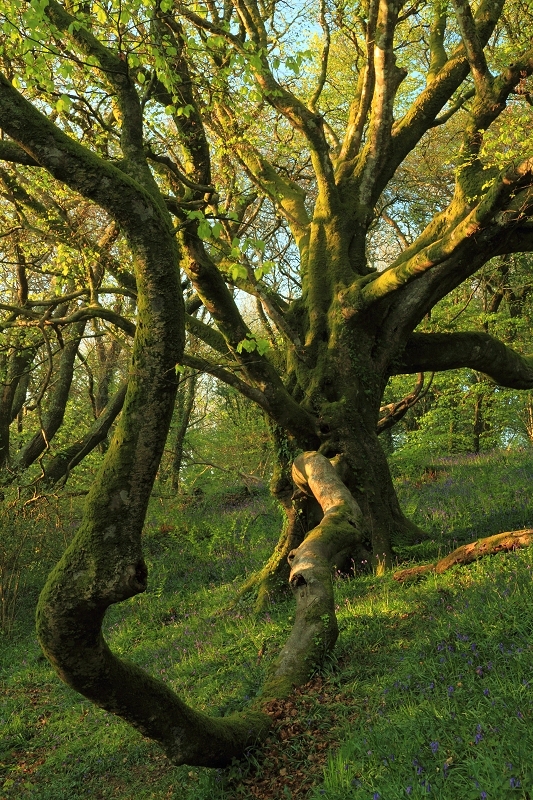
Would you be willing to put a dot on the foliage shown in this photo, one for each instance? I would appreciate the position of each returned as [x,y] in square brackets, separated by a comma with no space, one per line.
[227,444]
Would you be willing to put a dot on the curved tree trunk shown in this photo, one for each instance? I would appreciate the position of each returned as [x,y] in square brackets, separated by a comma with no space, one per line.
[315,629]
[104,564]
[301,514]
[271,581]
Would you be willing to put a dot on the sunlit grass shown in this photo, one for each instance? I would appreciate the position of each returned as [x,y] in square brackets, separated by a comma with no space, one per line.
[429,689]
[442,678]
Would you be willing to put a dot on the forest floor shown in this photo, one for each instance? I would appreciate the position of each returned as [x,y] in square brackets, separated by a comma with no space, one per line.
[428,694]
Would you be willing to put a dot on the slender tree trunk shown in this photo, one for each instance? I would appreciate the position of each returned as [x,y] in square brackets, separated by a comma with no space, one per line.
[12,394]
[52,418]
[479,422]
[184,406]
[63,462]
[528,414]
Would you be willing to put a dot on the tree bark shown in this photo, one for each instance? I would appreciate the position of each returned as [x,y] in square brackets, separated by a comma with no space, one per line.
[467,553]
[63,462]
[315,628]
[184,405]
[56,403]
[12,395]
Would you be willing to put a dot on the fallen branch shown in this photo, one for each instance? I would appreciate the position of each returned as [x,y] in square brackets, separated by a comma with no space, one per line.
[467,553]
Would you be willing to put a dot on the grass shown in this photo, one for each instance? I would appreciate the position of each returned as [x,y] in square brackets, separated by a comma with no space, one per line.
[428,693]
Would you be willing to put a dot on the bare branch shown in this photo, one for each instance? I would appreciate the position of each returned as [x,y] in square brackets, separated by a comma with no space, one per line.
[393,412]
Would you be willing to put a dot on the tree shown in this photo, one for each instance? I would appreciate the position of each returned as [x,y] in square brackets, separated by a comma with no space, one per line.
[158,114]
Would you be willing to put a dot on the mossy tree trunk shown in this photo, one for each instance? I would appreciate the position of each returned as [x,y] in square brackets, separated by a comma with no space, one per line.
[104,564]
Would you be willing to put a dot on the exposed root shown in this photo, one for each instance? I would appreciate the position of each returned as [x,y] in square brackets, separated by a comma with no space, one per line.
[271,581]
[315,629]
[500,542]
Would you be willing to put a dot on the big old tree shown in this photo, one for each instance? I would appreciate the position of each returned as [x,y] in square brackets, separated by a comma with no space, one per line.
[239,151]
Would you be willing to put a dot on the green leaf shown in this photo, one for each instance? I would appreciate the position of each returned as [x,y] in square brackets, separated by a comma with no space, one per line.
[101,14]
[204,229]
[63,104]
[251,343]
[238,271]
[262,346]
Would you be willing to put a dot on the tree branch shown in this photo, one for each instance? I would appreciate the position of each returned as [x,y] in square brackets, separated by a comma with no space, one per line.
[363,97]
[473,47]
[394,412]
[116,72]
[438,55]
[224,375]
[9,151]
[478,351]
[312,105]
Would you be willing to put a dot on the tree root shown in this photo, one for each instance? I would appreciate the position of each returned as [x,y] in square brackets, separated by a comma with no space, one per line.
[467,553]
[315,629]
[271,581]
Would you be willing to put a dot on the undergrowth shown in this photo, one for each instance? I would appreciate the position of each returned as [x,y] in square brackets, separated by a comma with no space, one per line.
[428,693]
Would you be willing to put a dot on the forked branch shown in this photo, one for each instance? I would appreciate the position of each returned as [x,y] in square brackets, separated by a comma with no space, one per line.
[394,412]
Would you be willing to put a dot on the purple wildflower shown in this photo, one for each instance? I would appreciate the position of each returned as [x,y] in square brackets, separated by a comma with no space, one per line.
[434,746]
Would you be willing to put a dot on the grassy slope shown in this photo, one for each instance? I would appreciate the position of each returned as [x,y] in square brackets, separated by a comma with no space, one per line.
[429,693]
